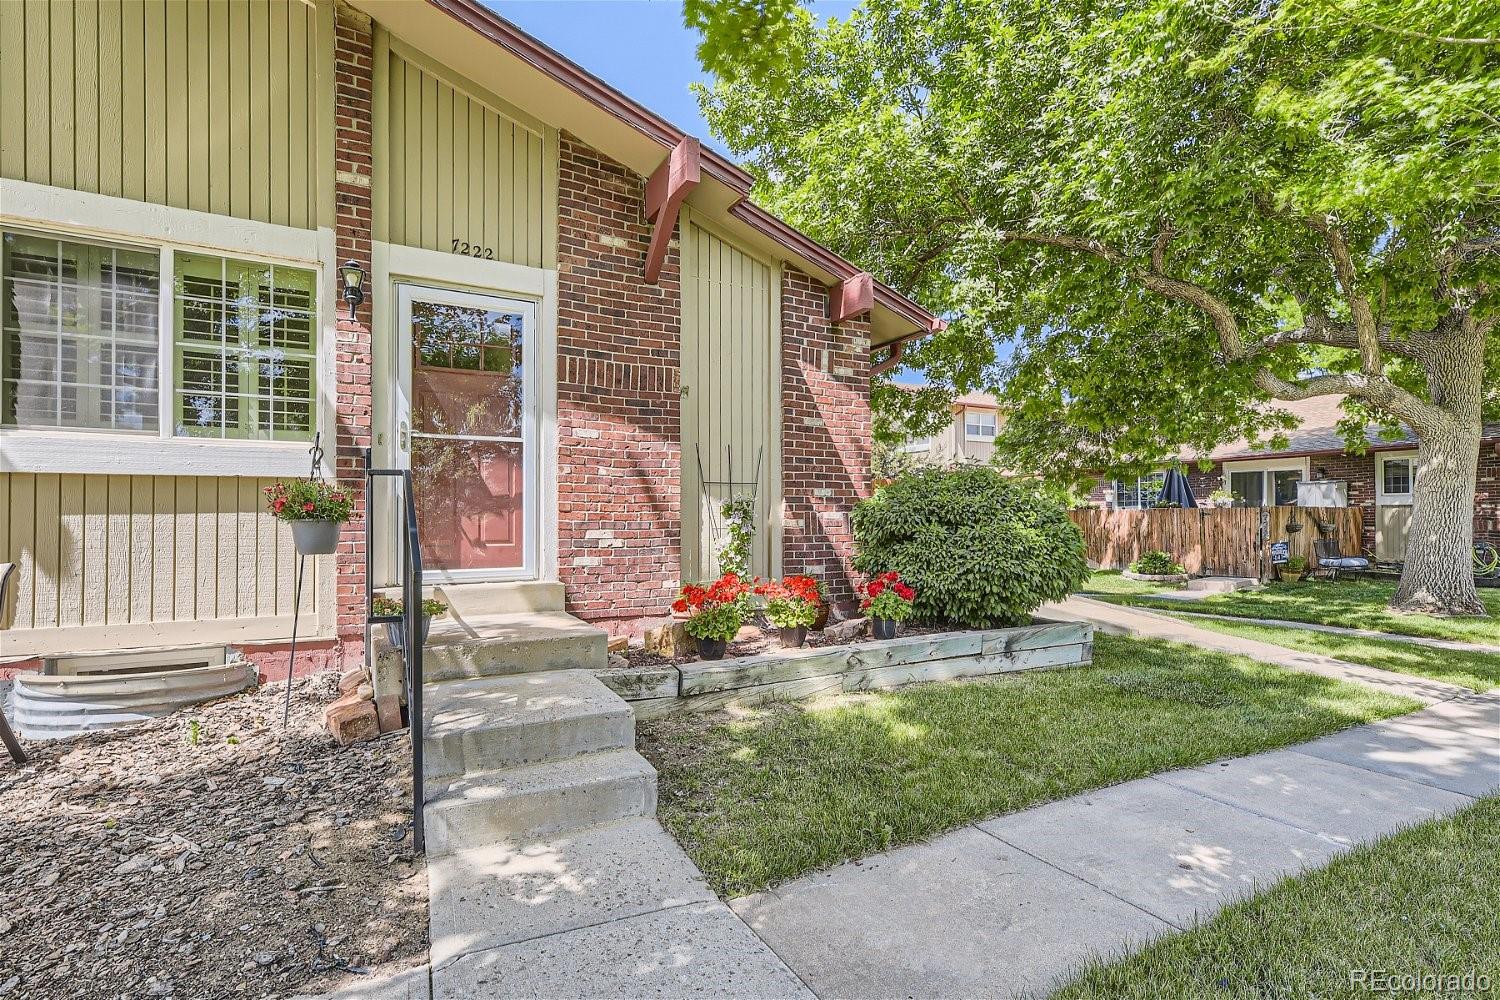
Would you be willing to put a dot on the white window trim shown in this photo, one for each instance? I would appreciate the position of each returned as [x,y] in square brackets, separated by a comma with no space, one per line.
[1382,498]
[992,414]
[80,215]
[1114,490]
[917,445]
[1268,496]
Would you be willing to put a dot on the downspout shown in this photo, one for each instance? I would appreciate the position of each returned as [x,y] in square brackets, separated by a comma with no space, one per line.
[891,360]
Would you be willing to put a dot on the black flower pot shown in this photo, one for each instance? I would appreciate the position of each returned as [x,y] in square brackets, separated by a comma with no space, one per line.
[712,649]
[883,628]
[791,638]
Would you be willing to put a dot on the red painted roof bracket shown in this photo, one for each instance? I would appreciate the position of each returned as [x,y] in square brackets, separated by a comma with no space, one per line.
[668,185]
[856,295]
[891,360]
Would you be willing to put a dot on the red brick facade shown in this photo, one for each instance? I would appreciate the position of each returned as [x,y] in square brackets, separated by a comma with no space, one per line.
[353,82]
[825,435]
[618,401]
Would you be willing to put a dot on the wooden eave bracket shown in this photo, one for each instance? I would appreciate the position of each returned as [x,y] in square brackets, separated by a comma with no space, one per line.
[856,295]
[666,189]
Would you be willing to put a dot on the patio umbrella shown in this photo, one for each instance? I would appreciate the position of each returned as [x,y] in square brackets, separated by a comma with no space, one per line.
[1175,490]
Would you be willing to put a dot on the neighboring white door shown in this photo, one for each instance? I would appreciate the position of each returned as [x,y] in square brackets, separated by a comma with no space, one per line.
[468,365]
[1394,474]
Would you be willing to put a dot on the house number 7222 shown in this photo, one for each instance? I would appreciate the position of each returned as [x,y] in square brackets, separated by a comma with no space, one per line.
[473,250]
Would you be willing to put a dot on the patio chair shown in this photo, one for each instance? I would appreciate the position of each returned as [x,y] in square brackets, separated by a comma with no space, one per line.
[1332,563]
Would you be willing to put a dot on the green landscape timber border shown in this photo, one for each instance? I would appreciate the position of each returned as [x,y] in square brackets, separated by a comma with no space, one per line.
[792,674]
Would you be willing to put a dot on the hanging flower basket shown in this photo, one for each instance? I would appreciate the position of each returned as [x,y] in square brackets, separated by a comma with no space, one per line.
[316,511]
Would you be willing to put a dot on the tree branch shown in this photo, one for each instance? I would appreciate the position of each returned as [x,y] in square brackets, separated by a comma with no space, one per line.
[1343,270]
[1319,331]
[1164,233]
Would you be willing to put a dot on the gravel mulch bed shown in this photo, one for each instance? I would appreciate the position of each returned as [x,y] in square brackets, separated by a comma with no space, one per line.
[208,854]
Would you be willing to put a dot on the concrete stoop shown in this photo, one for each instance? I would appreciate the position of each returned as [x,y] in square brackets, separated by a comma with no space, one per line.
[548,873]
[1223,584]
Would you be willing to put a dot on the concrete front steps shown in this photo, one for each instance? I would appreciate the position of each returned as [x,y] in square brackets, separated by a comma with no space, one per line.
[548,873]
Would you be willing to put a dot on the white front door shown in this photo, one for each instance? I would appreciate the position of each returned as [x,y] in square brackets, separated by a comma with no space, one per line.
[468,365]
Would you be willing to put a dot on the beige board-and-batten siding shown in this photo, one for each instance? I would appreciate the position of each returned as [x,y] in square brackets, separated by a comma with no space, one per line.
[458,170]
[707,685]
[731,395]
[112,562]
[205,106]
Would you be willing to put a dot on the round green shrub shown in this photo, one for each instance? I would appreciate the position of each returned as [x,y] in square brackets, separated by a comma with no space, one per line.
[981,549]
[1155,563]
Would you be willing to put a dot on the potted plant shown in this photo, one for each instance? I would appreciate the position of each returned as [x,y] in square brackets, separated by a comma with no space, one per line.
[716,613]
[389,607]
[824,609]
[1221,498]
[314,509]
[887,600]
[792,606]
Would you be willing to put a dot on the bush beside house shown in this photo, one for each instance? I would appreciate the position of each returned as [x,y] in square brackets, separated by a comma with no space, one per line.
[980,549]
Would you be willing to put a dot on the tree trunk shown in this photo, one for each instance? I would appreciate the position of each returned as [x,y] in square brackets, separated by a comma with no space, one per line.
[1438,577]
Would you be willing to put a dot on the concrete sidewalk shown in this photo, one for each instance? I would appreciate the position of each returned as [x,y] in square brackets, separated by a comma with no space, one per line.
[1122,620]
[1011,906]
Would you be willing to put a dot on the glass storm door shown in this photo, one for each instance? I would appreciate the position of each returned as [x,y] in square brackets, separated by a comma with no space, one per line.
[472,431]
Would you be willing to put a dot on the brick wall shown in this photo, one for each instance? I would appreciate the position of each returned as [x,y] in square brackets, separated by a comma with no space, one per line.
[619,433]
[352,148]
[1487,493]
[1358,471]
[825,444]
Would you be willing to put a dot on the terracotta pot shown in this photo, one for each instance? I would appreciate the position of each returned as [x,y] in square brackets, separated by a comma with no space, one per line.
[316,538]
[821,622]
[883,628]
[712,649]
[791,638]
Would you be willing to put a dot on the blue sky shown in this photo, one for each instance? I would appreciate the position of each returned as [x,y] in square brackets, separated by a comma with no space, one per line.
[639,47]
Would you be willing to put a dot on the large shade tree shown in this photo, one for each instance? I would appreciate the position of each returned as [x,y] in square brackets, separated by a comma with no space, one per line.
[1179,210]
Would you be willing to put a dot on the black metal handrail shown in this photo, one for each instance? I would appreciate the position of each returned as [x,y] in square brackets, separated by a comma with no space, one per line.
[410,619]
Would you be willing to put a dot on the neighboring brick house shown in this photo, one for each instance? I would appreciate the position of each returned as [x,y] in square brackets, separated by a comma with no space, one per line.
[968,437]
[1317,466]
[576,328]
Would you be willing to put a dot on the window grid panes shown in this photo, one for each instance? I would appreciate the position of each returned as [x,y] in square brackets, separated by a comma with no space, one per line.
[246,349]
[1140,493]
[979,425]
[1396,477]
[80,335]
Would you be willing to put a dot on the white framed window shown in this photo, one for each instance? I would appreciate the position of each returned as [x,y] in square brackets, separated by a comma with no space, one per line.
[1394,475]
[980,425]
[1140,493]
[173,342]
[917,445]
[1265,482]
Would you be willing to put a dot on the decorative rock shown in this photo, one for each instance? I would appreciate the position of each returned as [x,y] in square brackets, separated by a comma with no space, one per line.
[848,630]
[669,640]
[619,643]
[365,692]
[618,662]
[349,680]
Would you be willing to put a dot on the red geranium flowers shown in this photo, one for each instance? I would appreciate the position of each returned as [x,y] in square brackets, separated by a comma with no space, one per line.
[887,596]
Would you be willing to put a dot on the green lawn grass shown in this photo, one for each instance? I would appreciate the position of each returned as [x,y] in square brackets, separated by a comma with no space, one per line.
[1109,582]
[1347,603]
[799,786]
[1476,671]
[1422,901]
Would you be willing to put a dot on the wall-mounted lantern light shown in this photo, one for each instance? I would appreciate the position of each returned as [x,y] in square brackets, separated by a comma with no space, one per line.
[354,284]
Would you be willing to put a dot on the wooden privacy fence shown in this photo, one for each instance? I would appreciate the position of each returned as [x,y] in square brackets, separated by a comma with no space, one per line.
[1211,540]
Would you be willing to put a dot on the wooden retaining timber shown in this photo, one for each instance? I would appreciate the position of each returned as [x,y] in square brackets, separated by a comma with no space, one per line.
[802,673]
[1211,540]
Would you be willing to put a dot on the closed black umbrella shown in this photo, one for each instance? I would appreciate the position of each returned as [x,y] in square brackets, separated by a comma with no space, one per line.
[1175,490]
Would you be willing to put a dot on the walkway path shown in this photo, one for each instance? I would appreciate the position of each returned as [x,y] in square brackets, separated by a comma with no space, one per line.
[1011,906]
[1452,645]
[1122,620]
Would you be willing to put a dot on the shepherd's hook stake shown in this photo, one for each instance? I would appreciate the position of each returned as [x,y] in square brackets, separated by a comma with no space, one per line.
[316,451]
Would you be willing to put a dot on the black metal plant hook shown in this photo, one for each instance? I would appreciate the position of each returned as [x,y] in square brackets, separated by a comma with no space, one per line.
[316,451]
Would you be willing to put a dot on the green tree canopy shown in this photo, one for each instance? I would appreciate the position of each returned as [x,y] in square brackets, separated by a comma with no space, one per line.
[1177,208]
